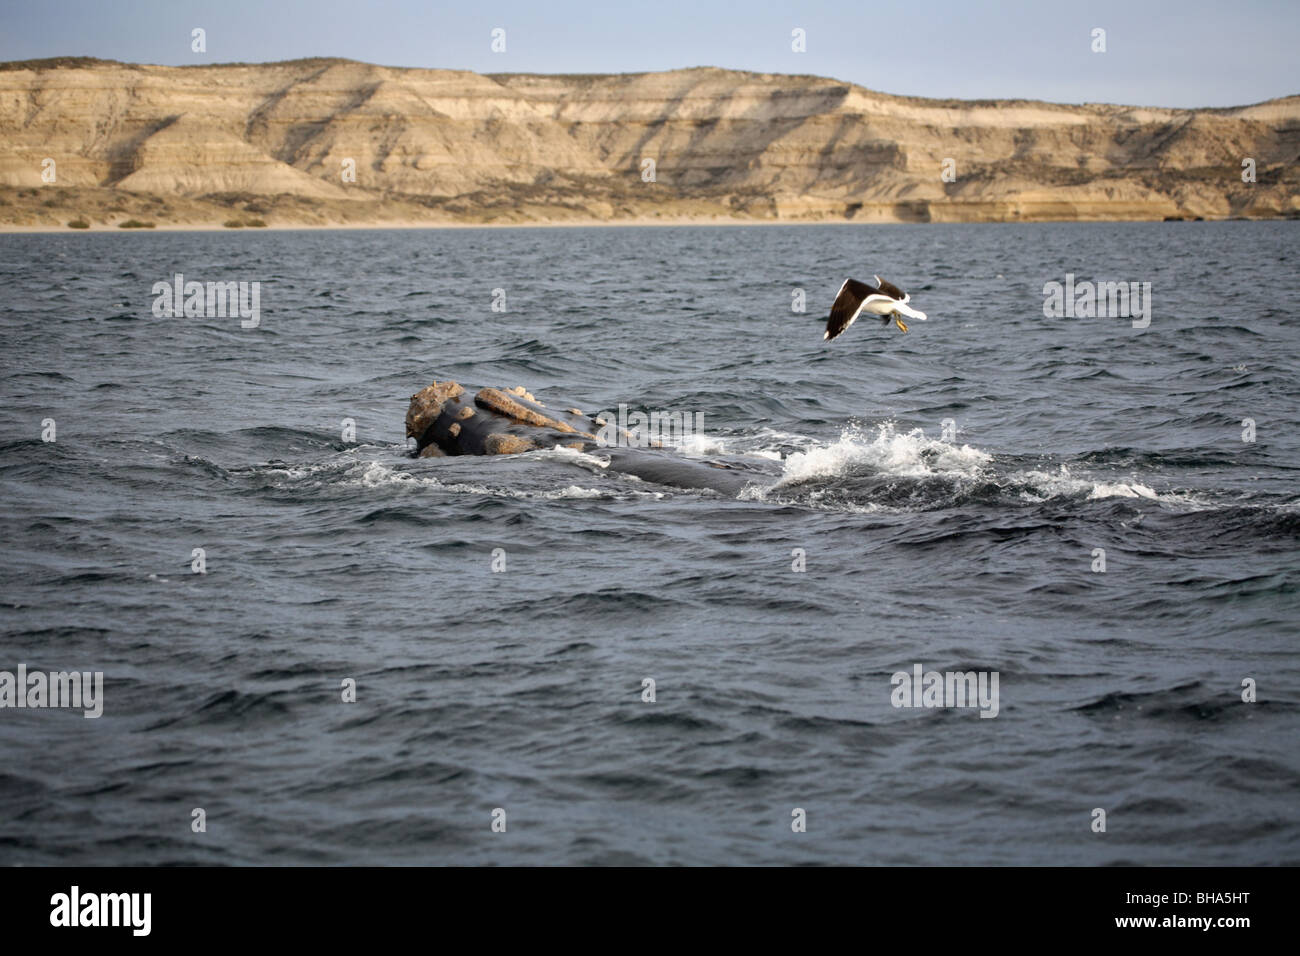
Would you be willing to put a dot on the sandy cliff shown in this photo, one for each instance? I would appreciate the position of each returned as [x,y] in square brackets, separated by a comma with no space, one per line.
[272,141]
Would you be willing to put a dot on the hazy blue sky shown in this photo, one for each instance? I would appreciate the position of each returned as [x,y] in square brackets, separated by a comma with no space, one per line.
[1176,53]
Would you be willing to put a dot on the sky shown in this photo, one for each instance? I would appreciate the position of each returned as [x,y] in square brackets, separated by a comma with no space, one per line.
[1180,53]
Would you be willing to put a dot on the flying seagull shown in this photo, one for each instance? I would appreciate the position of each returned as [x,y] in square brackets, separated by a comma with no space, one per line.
[884,299]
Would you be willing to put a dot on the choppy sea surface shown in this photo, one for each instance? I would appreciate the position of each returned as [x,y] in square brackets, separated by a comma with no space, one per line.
[329,559]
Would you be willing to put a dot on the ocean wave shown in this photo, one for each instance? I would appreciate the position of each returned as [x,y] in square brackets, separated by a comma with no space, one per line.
[909,454]
[1041,486]
[887,469]
[375,474]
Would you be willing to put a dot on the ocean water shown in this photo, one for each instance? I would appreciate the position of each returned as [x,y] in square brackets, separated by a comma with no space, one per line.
[521,690]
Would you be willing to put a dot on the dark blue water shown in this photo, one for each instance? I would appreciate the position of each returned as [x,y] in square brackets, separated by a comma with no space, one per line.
[330,559]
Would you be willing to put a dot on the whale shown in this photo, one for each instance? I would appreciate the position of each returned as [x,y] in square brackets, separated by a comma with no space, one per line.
[448,420]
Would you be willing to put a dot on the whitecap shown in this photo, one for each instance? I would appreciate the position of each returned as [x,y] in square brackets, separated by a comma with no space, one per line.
[906,454]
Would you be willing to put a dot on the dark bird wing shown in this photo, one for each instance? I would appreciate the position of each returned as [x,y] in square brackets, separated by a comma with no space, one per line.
[848,303]
[891,290]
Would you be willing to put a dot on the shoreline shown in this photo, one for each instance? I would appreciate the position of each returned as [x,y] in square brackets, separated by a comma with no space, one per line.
[638,222]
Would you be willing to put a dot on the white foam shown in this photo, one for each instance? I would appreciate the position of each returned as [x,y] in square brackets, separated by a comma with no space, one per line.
[764,443]
[914,455]
[570,455]
[375,475]
[818,499]
[1121,489]
[1064,485]
[572,491]
[291,473]
[701,445]
[909,454]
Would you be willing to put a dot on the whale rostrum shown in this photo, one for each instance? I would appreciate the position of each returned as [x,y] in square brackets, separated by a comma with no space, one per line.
[444,419]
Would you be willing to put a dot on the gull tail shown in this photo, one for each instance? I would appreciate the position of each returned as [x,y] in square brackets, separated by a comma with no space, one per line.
[908,311]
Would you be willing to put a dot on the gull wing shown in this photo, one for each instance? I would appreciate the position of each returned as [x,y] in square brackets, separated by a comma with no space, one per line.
[848,303]
[891,290]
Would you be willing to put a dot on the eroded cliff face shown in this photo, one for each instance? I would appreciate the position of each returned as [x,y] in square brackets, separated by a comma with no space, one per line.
[203,144]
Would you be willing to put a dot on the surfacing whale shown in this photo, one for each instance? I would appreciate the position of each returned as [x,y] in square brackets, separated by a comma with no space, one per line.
[446,419]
